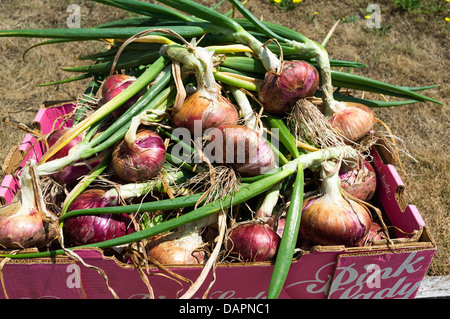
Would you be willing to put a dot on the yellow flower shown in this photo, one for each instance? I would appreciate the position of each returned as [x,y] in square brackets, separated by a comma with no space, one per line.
[297,1]
[447,19]
[277,1]
[315,12]
[367,16]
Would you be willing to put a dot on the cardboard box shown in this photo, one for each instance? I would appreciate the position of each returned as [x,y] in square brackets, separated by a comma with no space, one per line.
[379,271]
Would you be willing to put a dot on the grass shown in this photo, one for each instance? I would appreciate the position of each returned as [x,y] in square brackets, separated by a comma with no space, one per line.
[411,50]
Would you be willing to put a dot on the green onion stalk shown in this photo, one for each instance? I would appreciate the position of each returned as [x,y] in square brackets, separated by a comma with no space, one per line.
[227,26]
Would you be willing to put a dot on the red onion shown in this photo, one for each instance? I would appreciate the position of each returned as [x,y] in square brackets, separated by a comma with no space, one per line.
[359,180]
[352,120]
[242,148]
[139,156]
[114,85]
[329,218]
[279,92]
[25,223]
[72,173]
[253,241]
[89,229]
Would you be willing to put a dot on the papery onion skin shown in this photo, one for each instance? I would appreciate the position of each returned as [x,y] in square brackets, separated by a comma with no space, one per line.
[113,86]
[90,229]
[359,180]
[202,110]
[244,149]
[373,235]
[141,160]
[279,92]
[353,121]
[69,174]
[326,222]
[252,241]
[23,229]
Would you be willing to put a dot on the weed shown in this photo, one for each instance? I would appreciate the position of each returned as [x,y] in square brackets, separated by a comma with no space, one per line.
[285,5]
[407,5]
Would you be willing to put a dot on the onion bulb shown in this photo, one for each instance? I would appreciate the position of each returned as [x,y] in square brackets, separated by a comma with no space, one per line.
[70,174]
[204,109]
[352,120]
[113,86]
[89,229]
[331,219]
[252,241]
[182,250]
[140,156]
[243,148]
[359,180]
[279,92]
[26,222]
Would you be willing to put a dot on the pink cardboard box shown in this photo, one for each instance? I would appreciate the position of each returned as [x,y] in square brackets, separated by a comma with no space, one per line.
[380,271]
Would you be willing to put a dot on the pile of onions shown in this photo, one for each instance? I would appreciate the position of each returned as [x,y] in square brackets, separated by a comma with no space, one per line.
[140,156]
[243,148]
[359,180]
[279,92]
[26,222]
[352,120]
[89,229]
[69,174]
[330,218]
[252,241]
[114,85]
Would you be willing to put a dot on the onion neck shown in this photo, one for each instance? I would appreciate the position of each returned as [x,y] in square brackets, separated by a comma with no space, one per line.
[265,211]
[31,193]
[246,109]
[134,190]
[331,184]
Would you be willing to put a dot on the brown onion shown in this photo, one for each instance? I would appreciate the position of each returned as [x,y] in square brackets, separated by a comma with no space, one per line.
[26,222]
[279,92]
[352,120]
[89,229]
[204,110]
[331,219]
[243,148]
[139,157]
[359,180]
[252,241]
[113,86]
[182,250]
